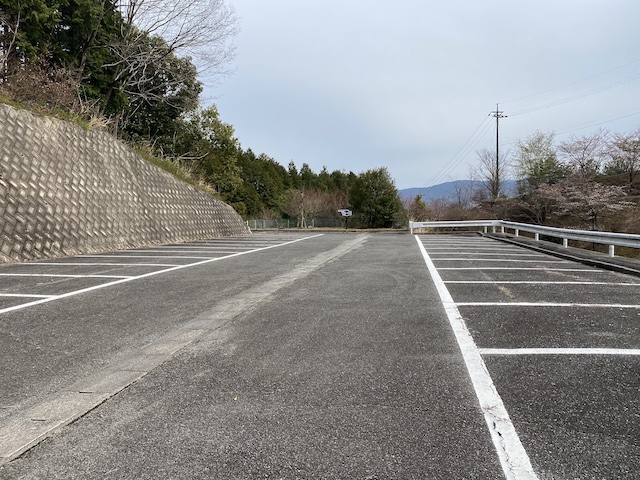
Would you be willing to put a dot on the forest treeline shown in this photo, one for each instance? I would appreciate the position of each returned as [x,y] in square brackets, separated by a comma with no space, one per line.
[130,66]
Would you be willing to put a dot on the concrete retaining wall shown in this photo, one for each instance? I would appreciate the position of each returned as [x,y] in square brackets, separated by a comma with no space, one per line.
[65,190]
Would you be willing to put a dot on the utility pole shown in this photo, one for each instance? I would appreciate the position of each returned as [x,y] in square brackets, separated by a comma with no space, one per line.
[498,114]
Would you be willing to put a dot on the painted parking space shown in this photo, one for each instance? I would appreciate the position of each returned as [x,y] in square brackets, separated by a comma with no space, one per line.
[96,345]
[560,345]
[544,292]
[122,269]
[28,284]
[36,285]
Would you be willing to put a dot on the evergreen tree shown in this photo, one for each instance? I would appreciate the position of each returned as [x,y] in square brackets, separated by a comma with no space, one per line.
[374,198]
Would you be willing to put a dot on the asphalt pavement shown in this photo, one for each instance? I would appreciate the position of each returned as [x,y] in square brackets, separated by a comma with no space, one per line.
[319,356]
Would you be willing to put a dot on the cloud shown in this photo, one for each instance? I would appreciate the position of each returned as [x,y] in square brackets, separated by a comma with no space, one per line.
[360,84]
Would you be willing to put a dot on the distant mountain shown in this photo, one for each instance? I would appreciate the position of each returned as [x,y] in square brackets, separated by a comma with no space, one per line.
[448,189]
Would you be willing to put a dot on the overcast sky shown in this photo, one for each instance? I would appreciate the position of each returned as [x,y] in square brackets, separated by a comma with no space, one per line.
[409,84]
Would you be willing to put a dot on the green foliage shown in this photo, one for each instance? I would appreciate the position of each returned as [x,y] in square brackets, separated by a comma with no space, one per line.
[160,94]
[126,72]
[28,25]
[342,181]
[83,57]
[308,179]
[216,150]
[84,42]
[374,198]
[266,179]
[417,210]
[296,182]
[538,163]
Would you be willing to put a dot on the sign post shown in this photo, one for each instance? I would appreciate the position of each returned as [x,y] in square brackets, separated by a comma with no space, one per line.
[346,214]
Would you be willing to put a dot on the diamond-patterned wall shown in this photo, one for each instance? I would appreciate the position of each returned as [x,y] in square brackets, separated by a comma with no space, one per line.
[65,190]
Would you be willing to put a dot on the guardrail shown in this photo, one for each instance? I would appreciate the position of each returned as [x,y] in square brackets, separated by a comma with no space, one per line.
[605,238]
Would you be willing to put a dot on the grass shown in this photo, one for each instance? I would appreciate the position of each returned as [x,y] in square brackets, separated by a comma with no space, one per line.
[176,169]
[47,111]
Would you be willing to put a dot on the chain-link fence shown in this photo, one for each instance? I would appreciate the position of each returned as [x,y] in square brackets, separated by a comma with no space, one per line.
[281,224]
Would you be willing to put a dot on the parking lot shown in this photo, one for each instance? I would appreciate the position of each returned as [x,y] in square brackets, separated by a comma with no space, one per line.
[305,355]
[561,344]
[28,284]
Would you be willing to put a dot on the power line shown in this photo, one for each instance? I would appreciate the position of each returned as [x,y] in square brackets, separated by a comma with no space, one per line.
[573,83]
[582,126]
[610,119]
[481,131]
[577,96]
[457,159]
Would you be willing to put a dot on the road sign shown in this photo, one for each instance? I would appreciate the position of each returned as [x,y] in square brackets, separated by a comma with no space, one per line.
[345,213]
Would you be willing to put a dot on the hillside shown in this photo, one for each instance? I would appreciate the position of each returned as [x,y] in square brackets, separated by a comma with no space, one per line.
[448,189]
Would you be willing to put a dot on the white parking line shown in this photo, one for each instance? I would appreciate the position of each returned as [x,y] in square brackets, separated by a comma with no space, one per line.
[150,274]
[190,250]
[486,249]
[105,264]
[485,245]
[435,256]
[513,457]
[534,282]
[542,304]
[496,260]
[24,295]
[592,270]
[559,351]
[144,256]
[60,275]
[452,241]
[20,431]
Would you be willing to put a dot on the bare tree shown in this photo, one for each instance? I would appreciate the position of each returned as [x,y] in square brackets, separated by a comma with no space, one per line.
[586,199]
[438,208]
[585,155]
[463,193]
[490,173]
[335,201]
[201,29]
[624,151]
[8,33]
[416,209]
[304,204]
[539,204]
[157,42]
